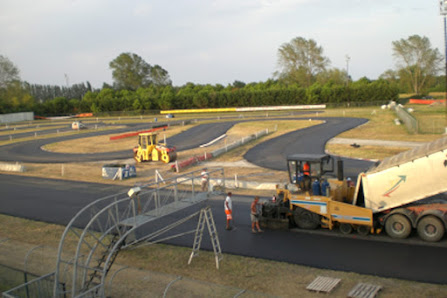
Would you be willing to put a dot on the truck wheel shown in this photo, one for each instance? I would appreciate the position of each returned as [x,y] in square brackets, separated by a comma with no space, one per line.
[363,230]
[430,229]
[345,228]
[305,219]
[398,226]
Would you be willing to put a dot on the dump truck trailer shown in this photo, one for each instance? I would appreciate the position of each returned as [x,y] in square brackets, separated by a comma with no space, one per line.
[397,195]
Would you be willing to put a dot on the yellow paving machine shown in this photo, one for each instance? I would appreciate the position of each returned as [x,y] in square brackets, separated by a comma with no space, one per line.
[315,200]
[402,193]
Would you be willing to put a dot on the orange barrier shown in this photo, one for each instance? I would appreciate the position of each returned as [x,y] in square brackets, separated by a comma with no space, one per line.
[426,101]
[84,115]
[132,134]
[190,161]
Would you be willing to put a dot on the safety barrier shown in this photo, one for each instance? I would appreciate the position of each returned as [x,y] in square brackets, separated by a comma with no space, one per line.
[190,161]
[132,134]
[198,158]
[8,167]
[16,117]
[426,101]
[240,142]
[246,109]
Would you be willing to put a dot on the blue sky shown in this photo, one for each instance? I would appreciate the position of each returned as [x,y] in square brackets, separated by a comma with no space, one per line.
[203,41]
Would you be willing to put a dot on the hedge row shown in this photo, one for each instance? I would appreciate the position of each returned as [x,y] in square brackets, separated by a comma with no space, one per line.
[165,98]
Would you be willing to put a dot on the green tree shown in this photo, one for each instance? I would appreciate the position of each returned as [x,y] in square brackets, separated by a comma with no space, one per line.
[333,76]
[166,98]
[238,84]
[416,60]
[160,76]
[300,61]
[8,72]
[130,71]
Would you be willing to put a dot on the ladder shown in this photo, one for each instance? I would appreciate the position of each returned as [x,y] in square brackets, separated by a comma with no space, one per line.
[206,217]
[94,278]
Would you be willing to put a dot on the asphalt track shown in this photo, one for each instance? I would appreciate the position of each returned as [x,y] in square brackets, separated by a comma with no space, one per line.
[271,154]
[39,131]
[57,201]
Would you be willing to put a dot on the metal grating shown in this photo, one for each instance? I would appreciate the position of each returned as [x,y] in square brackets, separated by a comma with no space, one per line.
[323,284]
[362,290]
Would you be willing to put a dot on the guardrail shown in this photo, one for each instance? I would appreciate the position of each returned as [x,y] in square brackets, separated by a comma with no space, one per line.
[178,165]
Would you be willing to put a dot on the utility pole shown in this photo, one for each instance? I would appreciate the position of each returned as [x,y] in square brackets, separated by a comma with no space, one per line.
[347,79]
[66,80]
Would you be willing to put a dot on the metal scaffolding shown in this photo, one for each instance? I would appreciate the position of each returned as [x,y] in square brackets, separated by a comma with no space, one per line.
[96,234]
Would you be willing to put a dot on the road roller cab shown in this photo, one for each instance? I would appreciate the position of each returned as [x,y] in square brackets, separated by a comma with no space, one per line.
[149,149]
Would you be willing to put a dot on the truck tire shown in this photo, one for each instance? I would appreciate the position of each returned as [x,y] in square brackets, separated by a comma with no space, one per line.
[430,229]
[305,219]
[363,230]
[398,226]
[345,228]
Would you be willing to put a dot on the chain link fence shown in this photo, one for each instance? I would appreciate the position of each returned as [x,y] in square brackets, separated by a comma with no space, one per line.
[410,122]
[24,263]
[431,126]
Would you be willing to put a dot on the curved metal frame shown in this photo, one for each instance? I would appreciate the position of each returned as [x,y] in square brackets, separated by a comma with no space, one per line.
[108,215]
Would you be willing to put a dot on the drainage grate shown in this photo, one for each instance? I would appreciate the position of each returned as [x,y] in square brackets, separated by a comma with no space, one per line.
[323,284]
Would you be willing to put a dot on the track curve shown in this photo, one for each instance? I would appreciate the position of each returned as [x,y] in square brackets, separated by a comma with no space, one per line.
[270,154]
[31,151]
[273,153]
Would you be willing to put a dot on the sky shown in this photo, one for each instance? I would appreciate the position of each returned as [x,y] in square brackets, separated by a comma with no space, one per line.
[64,42]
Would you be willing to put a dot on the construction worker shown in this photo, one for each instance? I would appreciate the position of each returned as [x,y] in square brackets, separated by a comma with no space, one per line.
[254,215]
[228,210]
[349,182]
[306,169]
[306,176]
[205,179]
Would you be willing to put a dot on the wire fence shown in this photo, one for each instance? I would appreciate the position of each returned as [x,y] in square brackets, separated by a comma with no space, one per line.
[410,122]
[23,263]
[422,126]
[431,126]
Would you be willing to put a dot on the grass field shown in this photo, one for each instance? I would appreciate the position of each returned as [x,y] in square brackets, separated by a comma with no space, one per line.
[263,276]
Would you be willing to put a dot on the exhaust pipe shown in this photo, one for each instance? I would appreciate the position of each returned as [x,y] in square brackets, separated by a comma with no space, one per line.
[340,173]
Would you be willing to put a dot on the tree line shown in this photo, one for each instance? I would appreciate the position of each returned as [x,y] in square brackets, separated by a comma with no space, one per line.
[303,76]
[191,96]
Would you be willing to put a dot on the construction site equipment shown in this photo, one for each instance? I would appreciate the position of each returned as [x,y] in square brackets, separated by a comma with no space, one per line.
[149,149]
[78,125]
[103,228]
[399,194]
[206,218]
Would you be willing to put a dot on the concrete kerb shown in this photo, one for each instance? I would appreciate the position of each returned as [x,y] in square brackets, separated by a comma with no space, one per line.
[11,167]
